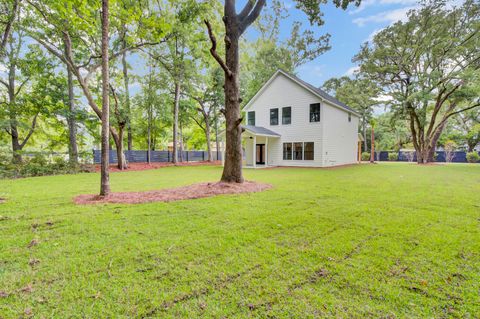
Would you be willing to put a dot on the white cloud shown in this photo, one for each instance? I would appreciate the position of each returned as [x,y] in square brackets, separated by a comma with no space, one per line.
[351,71]
[386,16]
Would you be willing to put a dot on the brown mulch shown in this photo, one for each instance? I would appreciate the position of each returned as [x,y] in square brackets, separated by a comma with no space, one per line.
[155,165]
[193,191]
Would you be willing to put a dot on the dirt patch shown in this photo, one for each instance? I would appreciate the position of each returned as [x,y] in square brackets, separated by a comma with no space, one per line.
[146,166]
[200,190]
[2,200]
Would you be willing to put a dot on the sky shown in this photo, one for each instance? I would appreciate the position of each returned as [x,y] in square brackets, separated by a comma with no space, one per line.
[349,29]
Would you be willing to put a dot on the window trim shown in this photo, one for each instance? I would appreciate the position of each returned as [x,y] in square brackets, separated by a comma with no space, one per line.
[313,151]
[283,117]
[291,151]
[248,118]
[310,112]
[294,151]
[273,110]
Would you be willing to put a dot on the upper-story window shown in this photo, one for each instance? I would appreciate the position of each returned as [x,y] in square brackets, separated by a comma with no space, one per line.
[251,118]
[274,116]
[315,112]
[349,117]
[287,115]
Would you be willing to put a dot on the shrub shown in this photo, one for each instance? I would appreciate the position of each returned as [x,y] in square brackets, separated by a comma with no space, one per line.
[393,157]
[365,156]
[473,157]
[40,165]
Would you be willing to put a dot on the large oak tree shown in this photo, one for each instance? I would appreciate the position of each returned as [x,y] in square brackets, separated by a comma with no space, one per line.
[429,67]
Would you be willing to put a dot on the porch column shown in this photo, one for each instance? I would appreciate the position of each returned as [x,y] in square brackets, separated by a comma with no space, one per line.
[254,151]
[266,151]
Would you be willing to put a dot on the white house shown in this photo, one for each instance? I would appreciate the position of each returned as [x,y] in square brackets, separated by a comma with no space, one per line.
[293,123]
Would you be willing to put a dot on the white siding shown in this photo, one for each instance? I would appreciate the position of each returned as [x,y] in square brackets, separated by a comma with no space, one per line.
[335,139]
[340,137]
[282,92]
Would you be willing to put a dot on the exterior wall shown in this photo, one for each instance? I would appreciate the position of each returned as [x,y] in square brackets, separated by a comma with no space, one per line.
[340,142]
[334,138]
[282,92]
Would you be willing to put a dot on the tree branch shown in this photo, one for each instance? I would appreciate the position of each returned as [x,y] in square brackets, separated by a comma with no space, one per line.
[8,27]
[248,20]
[30,132]
[213,50]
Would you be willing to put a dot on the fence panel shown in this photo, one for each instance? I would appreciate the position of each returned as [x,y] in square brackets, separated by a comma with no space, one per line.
[141,156]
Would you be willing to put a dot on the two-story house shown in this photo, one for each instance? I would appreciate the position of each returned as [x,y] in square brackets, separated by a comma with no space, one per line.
[292,123]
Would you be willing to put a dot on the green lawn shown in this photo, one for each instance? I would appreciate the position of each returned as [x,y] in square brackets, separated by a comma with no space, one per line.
[386,240]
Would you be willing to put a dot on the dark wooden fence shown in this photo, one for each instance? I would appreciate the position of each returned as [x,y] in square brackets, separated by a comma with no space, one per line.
[458,157]
[158,156]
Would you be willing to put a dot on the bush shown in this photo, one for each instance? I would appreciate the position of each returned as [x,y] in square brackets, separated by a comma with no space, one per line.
[393,157]
[473,157]
[39,165]
[365,156]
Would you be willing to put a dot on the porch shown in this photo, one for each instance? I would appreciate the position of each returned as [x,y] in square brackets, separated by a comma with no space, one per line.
[258,142]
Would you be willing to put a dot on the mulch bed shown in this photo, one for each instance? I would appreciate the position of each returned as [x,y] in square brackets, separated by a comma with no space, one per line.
[193,191]
[155,165]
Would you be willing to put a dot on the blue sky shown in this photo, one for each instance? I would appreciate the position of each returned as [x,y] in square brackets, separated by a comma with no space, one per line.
[348,30]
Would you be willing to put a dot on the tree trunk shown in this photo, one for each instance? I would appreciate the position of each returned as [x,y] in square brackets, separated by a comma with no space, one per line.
[232,170]
[72,129]
[118,140]
[217,142]
[149,132]
[372,146]
[209,147]
[16,146]
[127,98]
[175,122]
[105,178]
[180,148]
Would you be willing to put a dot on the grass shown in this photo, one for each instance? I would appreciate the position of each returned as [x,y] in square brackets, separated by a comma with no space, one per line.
[387,240]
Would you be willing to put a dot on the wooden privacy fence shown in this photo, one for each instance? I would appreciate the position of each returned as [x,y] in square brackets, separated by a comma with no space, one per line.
[457,157]
[157,156]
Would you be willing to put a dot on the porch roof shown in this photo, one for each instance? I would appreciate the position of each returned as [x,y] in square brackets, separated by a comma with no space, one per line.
[259,131]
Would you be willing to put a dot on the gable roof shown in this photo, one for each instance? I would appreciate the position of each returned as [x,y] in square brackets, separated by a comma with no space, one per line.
[259,130]
[316,91]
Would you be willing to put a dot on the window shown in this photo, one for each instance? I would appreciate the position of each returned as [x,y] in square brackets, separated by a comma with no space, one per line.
[251,118]
[308,152]
[315,112]
[287,151]
[349,117]
[274,116]
[287,115]
[298,151]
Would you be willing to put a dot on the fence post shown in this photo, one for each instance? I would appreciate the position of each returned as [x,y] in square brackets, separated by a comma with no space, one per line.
[168,156]
[203,156]
[187,156]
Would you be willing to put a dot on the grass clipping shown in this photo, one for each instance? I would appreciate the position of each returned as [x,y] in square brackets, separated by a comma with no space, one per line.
[193,191]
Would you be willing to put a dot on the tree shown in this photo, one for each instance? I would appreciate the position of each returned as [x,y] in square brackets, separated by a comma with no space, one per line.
[8,13]
[467,125]
[105,116]
[76,29]
[235,26]
[27,88]
[359,93]
[428,65]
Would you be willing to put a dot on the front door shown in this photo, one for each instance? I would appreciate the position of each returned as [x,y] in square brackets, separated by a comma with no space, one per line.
[260,154]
